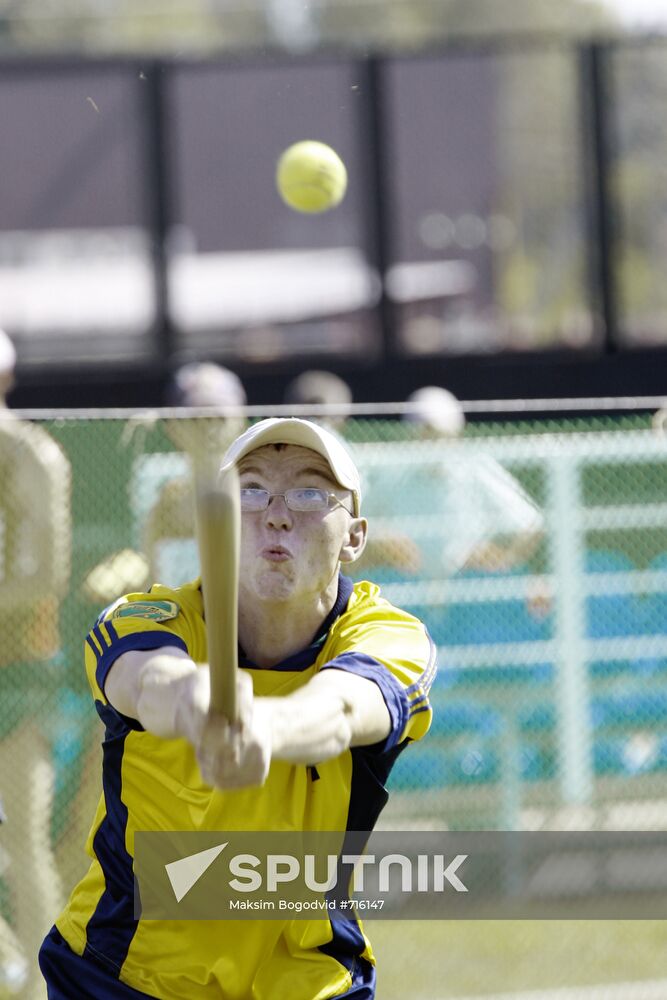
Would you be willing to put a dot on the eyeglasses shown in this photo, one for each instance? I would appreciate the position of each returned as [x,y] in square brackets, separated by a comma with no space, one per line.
[303,499]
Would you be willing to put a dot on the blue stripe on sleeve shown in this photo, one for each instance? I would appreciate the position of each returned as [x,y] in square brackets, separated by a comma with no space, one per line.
[94,648]
[423,699]
[392,690]
[137,640]
[111,631]
[101,639]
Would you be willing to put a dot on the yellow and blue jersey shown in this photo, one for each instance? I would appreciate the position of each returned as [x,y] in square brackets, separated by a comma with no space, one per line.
[154,784]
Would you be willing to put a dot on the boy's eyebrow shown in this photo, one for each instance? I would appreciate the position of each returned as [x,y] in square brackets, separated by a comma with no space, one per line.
[254,470]
[250,468]
[323,473]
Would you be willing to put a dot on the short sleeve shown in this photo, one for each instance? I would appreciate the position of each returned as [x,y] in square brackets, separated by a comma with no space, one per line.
[393,649]
[136,622]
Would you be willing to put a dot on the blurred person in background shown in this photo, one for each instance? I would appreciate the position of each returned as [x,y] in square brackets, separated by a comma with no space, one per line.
[468,511]
[35,549]
[317,388]
[500,524]
[204,385]
[161,495]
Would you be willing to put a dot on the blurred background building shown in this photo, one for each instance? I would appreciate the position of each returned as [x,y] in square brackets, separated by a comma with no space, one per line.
[503,231]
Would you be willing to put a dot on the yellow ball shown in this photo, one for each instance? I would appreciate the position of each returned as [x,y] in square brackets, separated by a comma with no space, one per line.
[311,177]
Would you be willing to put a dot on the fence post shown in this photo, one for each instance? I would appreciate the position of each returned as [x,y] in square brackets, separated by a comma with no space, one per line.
[572,688]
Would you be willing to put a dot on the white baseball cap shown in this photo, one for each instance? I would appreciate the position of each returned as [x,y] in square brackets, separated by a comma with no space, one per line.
[305,434]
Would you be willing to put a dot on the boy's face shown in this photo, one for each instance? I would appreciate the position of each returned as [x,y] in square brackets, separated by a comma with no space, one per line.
[290,556]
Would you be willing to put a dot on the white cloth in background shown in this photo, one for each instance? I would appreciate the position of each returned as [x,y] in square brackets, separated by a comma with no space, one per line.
[453,505]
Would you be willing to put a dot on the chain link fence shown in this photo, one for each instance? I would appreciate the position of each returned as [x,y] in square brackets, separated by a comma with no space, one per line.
[535,552]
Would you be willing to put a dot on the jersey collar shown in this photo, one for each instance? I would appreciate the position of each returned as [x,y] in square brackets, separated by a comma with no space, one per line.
[306,657]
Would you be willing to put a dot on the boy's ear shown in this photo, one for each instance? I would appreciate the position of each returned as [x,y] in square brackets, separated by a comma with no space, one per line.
[355,542]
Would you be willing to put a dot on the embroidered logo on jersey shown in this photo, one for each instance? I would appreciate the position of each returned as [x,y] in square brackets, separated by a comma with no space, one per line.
[155,611]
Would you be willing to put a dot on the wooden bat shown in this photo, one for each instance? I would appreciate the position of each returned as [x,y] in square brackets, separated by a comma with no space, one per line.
[218,517]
